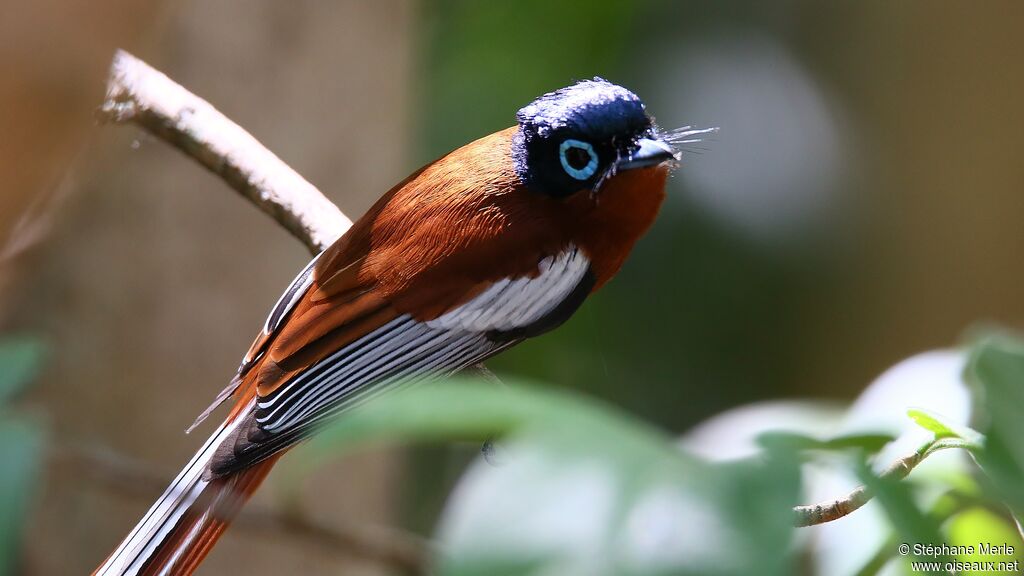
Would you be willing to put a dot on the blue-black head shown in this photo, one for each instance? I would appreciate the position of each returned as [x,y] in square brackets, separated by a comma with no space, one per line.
[571,139]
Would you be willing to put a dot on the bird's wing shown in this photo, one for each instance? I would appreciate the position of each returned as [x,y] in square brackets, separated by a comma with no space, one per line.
[295,291]
[334,341]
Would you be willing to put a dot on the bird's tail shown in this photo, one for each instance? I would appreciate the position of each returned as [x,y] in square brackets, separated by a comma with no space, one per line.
[180,528]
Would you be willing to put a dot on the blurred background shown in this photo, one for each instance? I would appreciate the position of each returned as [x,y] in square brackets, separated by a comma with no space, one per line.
[861,202]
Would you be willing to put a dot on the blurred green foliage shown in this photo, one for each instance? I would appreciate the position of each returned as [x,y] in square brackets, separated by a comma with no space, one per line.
[579,487]
[978,524]
[548,434]
[997,367]
[21,442]
[19,362]
[869,443]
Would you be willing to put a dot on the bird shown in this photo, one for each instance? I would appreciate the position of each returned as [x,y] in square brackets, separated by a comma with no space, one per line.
[494,243]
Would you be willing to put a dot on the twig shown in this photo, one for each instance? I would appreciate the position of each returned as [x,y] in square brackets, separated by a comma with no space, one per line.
[123,475]
[142,95]
[814,514]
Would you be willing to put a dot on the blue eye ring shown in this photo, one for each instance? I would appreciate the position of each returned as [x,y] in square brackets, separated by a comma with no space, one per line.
[578,173]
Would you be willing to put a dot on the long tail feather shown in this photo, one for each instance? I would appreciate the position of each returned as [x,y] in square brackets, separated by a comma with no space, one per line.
[179,529]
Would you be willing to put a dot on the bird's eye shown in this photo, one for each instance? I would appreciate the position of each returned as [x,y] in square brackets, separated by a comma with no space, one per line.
[579,159]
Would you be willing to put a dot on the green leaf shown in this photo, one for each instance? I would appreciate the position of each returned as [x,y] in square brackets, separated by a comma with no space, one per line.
[583,488]
[978,525]
[20,359]
[930,422]
[997,366]
[935,423]
[467,409]
[868,443]
[586,514]
[20,451]
[759,498]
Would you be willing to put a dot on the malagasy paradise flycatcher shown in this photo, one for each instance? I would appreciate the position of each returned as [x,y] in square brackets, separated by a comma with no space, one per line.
[496,242]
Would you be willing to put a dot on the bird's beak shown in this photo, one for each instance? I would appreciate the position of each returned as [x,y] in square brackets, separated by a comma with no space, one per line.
[649,153]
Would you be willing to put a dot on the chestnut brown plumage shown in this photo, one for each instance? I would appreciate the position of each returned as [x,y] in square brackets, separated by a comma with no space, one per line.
[493,243]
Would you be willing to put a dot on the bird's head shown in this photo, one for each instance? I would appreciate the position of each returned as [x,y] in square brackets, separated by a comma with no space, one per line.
[578,137]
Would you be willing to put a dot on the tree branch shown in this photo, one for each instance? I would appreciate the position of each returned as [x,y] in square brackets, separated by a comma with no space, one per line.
[144,96]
